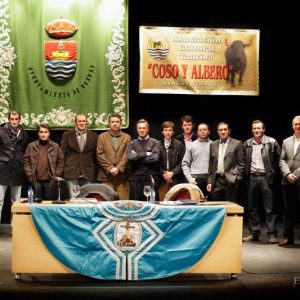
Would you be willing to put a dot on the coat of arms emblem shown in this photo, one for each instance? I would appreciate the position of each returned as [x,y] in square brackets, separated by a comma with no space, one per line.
[60,56]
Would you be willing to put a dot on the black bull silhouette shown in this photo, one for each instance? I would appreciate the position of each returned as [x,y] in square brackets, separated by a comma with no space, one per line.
[236,60]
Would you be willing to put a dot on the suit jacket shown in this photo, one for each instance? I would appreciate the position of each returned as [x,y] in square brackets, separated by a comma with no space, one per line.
[109,157]
[234,161]
[79,163]
[289,163]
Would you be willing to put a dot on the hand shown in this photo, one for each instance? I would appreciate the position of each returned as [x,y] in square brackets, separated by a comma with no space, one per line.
[168,176]
[208,187]
[193,181]
[148,153]
[30,180]
[53,183]
[291,178]
[114,171]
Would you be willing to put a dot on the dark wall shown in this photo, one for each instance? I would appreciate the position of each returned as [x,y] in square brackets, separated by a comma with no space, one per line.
[277,28]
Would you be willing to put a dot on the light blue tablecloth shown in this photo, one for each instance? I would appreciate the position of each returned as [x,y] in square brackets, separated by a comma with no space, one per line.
[128,239]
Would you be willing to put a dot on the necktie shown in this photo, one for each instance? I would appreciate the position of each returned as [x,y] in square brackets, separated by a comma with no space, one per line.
[221,157]
[81,141]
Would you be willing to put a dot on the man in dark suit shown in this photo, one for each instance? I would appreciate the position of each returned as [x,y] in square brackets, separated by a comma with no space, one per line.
[290,168]
[79,147]
[226,165]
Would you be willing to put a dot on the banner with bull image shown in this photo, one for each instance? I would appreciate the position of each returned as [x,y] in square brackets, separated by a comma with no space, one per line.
[199,61]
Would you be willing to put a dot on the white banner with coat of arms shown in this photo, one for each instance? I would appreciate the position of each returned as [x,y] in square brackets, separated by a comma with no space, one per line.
[199,61]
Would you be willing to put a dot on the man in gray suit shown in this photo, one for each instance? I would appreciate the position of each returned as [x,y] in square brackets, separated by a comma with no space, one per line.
[226,165]
[290,168]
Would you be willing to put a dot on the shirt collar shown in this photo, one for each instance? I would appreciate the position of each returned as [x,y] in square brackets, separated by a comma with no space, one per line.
[225,141]
[113,135]
[146,138]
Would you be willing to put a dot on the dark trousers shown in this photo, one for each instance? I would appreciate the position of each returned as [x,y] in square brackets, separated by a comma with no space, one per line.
[202,184]
[222,191]
[44,191]
[291,214]
[259,190]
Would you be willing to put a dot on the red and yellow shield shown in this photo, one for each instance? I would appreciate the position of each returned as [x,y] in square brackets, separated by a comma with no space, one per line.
[60,59]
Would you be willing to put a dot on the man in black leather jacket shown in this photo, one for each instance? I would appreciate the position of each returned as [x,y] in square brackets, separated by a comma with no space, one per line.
[262,155]
[13,141]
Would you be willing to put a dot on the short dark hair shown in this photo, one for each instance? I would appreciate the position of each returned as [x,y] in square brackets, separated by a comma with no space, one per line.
[168,124]
[204,125]
[143,121]
[80,114]
[114,115]
[14,112]
[44,126]
[187,118]
[223,123]
[259,121]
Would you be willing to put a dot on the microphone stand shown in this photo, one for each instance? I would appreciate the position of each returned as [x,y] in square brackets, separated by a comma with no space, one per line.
[58,201]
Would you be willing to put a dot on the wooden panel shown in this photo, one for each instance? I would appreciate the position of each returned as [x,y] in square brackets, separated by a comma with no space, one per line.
[225,255]
[29,254]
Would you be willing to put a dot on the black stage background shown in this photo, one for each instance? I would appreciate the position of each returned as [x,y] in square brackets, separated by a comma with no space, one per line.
[277,65]
[278,68]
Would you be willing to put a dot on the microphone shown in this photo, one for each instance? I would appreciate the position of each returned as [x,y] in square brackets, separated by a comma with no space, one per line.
[152,180]
[58,178]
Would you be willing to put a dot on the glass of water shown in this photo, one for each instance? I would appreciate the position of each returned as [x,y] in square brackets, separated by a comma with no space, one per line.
[147,191]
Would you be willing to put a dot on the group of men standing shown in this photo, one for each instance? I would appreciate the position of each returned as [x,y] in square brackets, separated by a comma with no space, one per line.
[126,165]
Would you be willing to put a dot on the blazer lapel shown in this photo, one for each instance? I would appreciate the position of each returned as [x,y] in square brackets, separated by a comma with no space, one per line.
[229,148]
[74,138]
[298,149]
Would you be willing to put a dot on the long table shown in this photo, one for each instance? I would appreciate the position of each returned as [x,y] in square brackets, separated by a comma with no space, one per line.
[30,255]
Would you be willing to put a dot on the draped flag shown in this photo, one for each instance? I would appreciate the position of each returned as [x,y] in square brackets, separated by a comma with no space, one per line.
[128,239]
[206,61]
[61,58]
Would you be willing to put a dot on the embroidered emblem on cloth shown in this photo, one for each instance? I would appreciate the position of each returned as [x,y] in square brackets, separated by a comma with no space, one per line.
[60,59]
[61,28]
[127,209]
[127,234]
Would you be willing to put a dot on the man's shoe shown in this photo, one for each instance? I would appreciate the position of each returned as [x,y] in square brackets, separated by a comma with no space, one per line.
[286,242]
[250,238]
[273,239]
